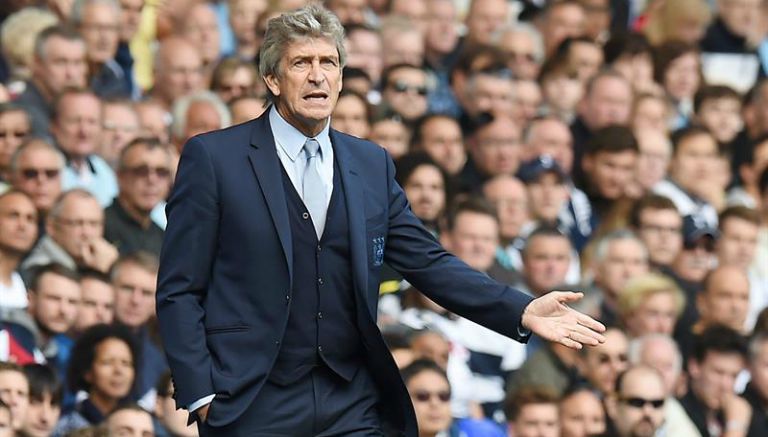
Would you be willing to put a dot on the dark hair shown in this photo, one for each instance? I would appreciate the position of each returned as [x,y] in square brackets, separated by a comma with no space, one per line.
[409,163]
[13,107]
[543,231]
[749,152]
[354,73]
[604,74]
[60,31]
[389,71]
[625,44]
[612,139]
[564,48]
[528,396]
[397,337]
[145,260]
[683,134]
[150,143]
[43,379]
[131,406]
[84,353]
[66,92]
[418,128]
[421,365]
[163,386]
[38,272]
[762,184]
[718,338]
[667,53]
[354,94]
[649,201]
[741,212]
[713,92]
[476,205]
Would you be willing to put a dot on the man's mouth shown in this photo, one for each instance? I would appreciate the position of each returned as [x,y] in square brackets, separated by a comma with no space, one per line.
[316,96]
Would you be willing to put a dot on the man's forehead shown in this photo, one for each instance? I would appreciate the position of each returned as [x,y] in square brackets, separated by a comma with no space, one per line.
[311,47]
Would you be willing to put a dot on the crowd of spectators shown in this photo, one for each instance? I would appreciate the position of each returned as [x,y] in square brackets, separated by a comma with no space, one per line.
[615,147]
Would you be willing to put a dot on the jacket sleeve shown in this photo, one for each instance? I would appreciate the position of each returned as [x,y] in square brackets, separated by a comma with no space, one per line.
[186,261]
[414,252]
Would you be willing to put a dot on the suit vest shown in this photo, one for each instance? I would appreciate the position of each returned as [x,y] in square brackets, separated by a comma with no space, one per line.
[322,326]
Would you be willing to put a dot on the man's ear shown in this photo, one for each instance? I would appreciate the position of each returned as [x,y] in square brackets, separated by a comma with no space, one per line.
[272,84]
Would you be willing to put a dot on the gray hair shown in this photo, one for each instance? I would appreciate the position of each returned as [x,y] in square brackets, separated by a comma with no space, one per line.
[181,107]
[527,29]
[311,21]
[638,345]
[58,205]
[601,251]
[78,8]
[35,144]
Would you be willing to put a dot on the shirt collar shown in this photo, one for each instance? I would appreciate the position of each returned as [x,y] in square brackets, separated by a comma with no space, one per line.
[291,140]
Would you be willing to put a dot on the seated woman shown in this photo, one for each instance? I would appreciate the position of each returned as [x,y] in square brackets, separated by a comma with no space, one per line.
[104,366]
[650,304]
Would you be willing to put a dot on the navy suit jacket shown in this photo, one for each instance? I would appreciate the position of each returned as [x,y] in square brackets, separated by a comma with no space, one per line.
[224,286]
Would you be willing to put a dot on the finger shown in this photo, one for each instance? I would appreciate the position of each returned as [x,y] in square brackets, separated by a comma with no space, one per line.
[587,339]
[573,344]
[589,322]
[565,297]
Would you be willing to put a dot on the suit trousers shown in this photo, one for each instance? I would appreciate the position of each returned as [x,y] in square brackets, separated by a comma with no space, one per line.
[320,404]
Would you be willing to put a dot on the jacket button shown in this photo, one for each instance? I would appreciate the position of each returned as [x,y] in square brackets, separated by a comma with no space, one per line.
[320,281]
[305,215]
[320,315]
[319,348]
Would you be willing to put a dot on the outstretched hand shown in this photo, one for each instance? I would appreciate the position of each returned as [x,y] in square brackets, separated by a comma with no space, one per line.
[551,318]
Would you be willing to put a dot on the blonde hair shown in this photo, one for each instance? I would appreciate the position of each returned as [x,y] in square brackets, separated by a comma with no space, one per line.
[663,20]
[642,287]
[18,34]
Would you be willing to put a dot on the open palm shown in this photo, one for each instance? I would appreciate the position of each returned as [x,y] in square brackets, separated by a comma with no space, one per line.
[551,318]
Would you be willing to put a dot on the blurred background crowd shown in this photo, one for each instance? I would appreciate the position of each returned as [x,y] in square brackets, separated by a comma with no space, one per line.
[616,147]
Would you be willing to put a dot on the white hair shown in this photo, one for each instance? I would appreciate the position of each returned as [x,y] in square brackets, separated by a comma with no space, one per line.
[181,107]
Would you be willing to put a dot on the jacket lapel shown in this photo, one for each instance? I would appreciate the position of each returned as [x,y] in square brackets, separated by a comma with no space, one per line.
[353,190]
[266,165]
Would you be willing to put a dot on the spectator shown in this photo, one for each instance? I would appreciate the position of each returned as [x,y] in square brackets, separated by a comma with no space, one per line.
[495,149]
[581,414]
[130,21]
[651,112]
[200,27]
[243,15]
[178,71]
[404,91]
[533,413]
[233,77]
[45,393]
[77,130]
[631,54]
[560,20]
[144,176]
[677,68]
[6,423]
[425,187]
[431,345]
[168,421]
[657,222]
[350,12]
[546,259]
[718,108]
[508,196]
[14,129]
[97,303]
[390,132]
[602,364]
[351,115]
[247,108]
[104,366]
[402,42]
[14,393]
[718,355]
[724,300]
[547,188]
[650,304]
[36,170]
[154,119]
[681,20]
[18,33]
[74,230]
[130,421]
[484,19]
[747,192]
[638,408]
[365,50]
[582,55]
[524,47]
[18,231]
[120,125]
[487,92]
[756,392]
[440,136]
[198,113]
[653,160]
[54,296]
[59,63]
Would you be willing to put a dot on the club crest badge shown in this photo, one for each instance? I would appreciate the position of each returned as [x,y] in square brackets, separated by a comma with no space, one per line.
[378,251]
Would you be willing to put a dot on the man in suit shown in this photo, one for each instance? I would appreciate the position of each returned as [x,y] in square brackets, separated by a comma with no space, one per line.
[277,232]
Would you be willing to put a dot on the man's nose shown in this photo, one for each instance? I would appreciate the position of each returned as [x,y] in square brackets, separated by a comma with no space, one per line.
[316,73]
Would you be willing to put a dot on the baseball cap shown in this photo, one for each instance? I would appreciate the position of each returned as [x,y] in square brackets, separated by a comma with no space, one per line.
[530,171]
[696,227]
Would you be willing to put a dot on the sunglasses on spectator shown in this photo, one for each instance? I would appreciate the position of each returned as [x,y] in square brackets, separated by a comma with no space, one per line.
[402,87]
[143,171]
[708,245]
[640,402]
[35,173]
[13,134]
[425,396]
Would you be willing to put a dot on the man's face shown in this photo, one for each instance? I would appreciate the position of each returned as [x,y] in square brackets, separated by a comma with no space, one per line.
[536,420]
[351,117]
[54,304]
[441,33]
[598,17]
[243,17]
[432,346]
[406,92]
[97,304]
[712,380]
[130,16]
[130,423]
[14,391]
[526,99]
[681,80]
[665,358]
[403,47]
[63,65]
[77,128]
[202,30]
[610,102]
[661,231]
[392,135]
[180,72]
[553,138]
[485,17]
[737,243]
[740,16]
[365,52]
[39,176]
[428,391]
[425,190]
[657,314]
[602,364]
[547,195]
[624,259]
[585,59]
[154,121]
[562,22]
[520,48]
[42,415]
[611,173]
[491,94]
[496,148]
[14,129]
[441,138]
[80,222]
[726,299]
[511,201]
[722,117]
[308,83]
[546,259]
[101,31]
[349,11]
[202,117]
[18,224]
[635,415]
[694,262]
[120,125]
[651,114]
[653,160]
[581,415]
[6,425]
[474,239]
[134,295]
[758,369]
